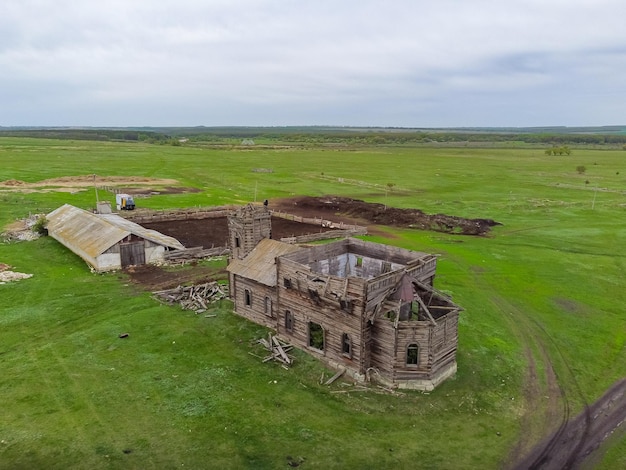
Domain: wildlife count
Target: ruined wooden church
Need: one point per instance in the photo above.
(365, 307)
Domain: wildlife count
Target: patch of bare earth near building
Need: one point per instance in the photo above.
(374, 214)
(152, 278)
(130, 184)
(214, 232)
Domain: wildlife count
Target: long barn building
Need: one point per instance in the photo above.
(108, 242)
(368, 308)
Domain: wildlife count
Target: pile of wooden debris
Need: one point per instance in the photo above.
(278, 350)
(196, 298)
(7, 276)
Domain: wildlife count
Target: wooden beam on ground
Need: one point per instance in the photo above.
(335, 377)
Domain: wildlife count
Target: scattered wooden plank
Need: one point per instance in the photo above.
(339, 373)
(278, 350)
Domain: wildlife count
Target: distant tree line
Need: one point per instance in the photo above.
(320, 136)
(405, 137)
(87, 134)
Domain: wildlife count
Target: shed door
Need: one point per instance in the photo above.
(132, 253)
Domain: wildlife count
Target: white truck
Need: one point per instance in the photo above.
(124, 202)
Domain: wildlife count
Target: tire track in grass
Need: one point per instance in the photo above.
(563, 448)
(61, 378)
(52, 390)
(105, 434)
(565, 443)
(68, 382)
(78, 392)
(541, 381)
(45, 373)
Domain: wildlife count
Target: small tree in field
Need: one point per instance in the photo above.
(563, 150)
(581, 169)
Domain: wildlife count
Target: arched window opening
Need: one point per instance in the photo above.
(316, 336)
(289, 321)
(248, 298)
(412, 354)
(346, 345)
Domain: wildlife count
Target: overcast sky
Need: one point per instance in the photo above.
(407, 63)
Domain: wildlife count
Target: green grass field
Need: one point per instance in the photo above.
(183, 391)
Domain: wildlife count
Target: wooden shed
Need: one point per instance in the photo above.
(368, 308)
(107, 241)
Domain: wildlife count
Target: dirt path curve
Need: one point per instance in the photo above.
(545, 405)
(550, 438)
(570, 446)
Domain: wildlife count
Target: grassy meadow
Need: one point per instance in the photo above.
(183, 391)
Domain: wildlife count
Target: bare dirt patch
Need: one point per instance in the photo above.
(152, 191)
(334, 207)
(81, 182)
(21, 230)
(152, 278)
(207, 233)
(568, 305)
(214, 232)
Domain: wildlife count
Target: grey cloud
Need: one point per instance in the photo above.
(270, 62)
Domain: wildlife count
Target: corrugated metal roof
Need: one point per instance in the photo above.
(84, 233)
(90, 235)
(260, 264)
(136, 229)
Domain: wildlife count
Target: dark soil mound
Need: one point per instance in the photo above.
(214, 232)
(380, 214)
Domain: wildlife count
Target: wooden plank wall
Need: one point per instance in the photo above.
(324, 311)
(256, 310)
(413, 332)
(424, 271)
(389, 253)
(383, 350)
(329, 235)
(141, 216)
(437, 346)
(446, 342)
(319, 222)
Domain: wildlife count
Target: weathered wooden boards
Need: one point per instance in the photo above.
(196, 298)
(195, 253)
(278, 350)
